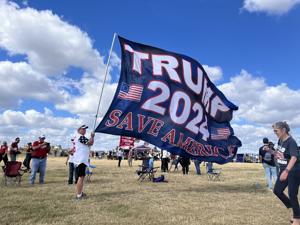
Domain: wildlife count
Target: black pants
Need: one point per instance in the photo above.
(185, 169)
(4, 158)
(27, 160)
(164, 165)
(120, 159)
(72, 173)
(292, 182)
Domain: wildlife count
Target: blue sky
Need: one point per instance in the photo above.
(251, 49)
(214, 32)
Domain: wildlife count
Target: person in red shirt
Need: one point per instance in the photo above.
(40, 150)
(14, 150)
(3, 152)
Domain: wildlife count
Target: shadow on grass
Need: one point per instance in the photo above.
(112, 195)
(100, 180)
(230, 188)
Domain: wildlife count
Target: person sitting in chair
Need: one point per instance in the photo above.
(209, 167)
(151, 161)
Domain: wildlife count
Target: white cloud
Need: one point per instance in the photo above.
(18, 81)
(260, 103)
(50, 44)
(34, 119)
(277, 7)
(252, 135)
(115, 61)
(214, 73)
(88, 100)
(29, 125)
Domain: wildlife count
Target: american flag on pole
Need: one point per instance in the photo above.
(219, 133)
(132, 92)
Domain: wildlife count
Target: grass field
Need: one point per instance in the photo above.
(116, 197)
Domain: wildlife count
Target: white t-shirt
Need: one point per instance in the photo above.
(82, 150)
(119, 153)
(70, 160)
(165, 154)
(71, 156)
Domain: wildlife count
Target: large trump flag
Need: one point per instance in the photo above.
(168, 100)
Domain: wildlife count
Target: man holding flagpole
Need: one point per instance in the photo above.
(81, 157)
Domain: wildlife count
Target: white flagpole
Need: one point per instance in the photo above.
(106, 71)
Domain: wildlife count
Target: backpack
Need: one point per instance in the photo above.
(268, 157)
(159, 179)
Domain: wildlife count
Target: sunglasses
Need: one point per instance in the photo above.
(276, 131)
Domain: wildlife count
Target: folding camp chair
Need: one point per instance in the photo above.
(146, 172)
(214, 174)
(12, 172)
(89, 172)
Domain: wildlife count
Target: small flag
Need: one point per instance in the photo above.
(219, 133)
(131, 92)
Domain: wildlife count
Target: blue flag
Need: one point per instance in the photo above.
(168, 100)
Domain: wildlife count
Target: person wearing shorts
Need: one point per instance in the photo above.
(81, 157)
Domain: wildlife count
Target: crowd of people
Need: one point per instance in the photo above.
(281, 162)
(168, 161)
(36, 156)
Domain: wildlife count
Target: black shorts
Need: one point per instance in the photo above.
(80, 169)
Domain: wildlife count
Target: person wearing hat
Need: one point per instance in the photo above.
(268, 161)
(81, 157)
(72, 169)
(40, 150)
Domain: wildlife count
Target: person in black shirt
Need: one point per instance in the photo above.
(185, 163)
(288, 157)
(27, 159)
(267, 159)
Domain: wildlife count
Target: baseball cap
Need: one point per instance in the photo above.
(42, 136)
(83, 127)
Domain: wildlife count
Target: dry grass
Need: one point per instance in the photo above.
(116, 197)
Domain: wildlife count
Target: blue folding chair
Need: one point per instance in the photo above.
(89, 172)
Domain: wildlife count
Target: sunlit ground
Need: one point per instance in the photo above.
(116, 197)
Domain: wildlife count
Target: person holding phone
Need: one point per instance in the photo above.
(26, 162)
(266, 157)
(40, 150)
(289, 176)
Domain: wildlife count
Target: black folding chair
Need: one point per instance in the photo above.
(214, 174)
(146, 172)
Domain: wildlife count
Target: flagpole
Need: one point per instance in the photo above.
(106, 71)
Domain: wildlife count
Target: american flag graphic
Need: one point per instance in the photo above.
(219, 133)
(131, 92)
